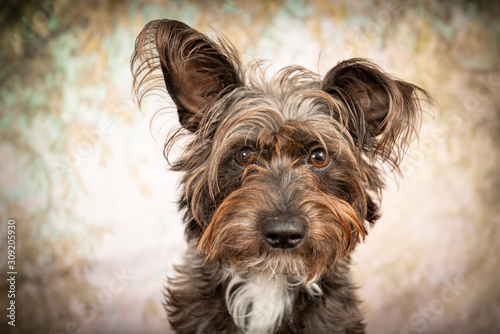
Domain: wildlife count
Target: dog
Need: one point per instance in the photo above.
(282, 178)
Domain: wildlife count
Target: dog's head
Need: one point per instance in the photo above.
(280, 174)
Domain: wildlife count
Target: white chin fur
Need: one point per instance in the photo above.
(258, 304)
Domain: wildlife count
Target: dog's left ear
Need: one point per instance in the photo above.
(381, 113)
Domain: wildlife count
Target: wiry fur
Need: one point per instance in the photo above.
(357, 116)
(259, 303)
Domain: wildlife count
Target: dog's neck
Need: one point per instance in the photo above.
(258, 304)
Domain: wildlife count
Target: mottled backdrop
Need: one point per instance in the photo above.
(82, 173)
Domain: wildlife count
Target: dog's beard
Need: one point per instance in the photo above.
(234, 236)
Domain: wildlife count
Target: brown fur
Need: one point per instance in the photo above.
(357, 116)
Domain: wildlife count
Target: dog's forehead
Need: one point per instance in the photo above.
(288, 126)
(277, 113)
(273, 107)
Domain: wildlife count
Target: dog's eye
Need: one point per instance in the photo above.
(319, 158)
(246, 156)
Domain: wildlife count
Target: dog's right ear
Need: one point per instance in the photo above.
(196, 70)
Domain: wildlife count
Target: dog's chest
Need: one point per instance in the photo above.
(258, 305)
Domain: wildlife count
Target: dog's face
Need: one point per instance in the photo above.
(284, 181)
(279, 174)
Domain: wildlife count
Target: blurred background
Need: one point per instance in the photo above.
(83, 177)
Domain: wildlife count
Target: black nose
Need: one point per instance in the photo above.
(284, 232)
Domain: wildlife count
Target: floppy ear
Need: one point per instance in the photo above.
(196, 70)
(381, 113)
